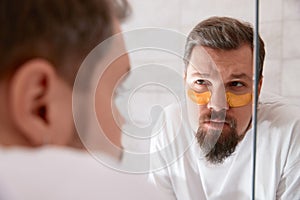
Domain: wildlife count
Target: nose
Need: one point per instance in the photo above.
(218, 100)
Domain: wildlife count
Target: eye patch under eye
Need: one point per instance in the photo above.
(199, 98)
(233, 100)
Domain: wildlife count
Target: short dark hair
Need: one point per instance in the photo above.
(60, 31)
(223, 33)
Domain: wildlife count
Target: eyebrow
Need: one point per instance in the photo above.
(204, 75)
(241, 76)
(232, 76)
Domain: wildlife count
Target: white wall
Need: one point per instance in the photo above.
(279, 26)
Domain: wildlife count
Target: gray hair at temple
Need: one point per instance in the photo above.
(223, 33)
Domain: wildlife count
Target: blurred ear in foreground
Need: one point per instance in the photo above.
(40, 104)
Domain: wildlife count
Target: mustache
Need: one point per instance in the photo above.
(217, 116)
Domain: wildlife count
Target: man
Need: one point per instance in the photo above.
(204, 147)
(42, 45)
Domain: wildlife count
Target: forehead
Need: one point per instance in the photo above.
(205, 60)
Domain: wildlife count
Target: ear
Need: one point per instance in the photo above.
(29, 98)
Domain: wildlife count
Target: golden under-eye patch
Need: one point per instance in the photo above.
(199, 98)
(233, 100)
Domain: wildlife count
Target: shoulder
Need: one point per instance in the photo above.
(171, 124)
(278, 110)
(279, 128)
(173, 112)
(172, 135)
(280, 119)
(62, 173)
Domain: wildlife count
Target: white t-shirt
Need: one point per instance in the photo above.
(53, 173)
(181, 171)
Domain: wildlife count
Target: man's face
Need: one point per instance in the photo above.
(216, 76)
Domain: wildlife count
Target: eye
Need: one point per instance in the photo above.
(237, 84)
(200, 85)
(201, 82)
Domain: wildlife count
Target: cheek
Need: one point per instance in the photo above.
(243, 116)
(202, 111)
(193, 114)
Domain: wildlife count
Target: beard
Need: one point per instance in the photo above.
(219, 140)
